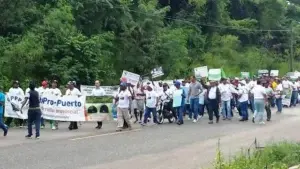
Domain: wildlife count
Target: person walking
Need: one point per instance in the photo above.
(2, 101)
(34, 111)
(98, 91)
(243, 100)
(259, 94)
(152, 99)
(123, 98)
(193, 96)
(269, 95)
(214, 100)
(72, 91)
(278, 96)
(178, 102)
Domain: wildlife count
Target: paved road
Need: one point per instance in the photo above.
(166, 146)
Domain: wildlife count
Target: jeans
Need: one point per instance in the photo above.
(244, 110)
(179, 113)
(2, 125)
(194, 102)
(226, 107)
(34, 116)
(201, 109)
(186, 109)
(213, 109)
(259, 108)
(294, 98)
(279, 104)
(252, 107)
(148, 112)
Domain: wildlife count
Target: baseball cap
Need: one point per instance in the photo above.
(177, 83)
(44, 83)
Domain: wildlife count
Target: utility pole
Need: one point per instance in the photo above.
(291, 49)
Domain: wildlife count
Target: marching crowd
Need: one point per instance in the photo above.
(189, 97)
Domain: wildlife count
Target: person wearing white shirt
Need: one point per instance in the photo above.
(15, 91)
(295, 86)
(73, 91)
(250, 86)
(278, 96)
(152, 99)
(54, 91)
(259, 94)
(270, 96)
(226, 91)
(98, 91)
(123, 98)
(42, 90)
(186, 88)
(214, 99)
(178, 102)
(243, 100)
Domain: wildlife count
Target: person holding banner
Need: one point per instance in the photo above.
(98, 91)
(54, 91)
(43, 90)
(72, 91)
(2, 100)
(34, 111)
(15, 91)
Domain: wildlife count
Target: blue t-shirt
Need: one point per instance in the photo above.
(2, 99)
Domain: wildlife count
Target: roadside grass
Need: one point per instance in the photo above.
(280, 155)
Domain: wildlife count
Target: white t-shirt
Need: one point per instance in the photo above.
(138, 91)
(98, 92)
(278, 90)
(166, 95)
(74, 92)
(212, 93)
(123, 99)
(243, 92)
(54, 92)
(295, 86)
(258, 92)
(286, 84)
(151, 99)
(16, 91)
(226, 91)
(42, 91)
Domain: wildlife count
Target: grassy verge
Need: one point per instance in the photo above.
(274, 156)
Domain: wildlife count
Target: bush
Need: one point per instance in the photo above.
(274, 156)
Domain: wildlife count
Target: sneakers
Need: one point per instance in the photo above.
(194, 121)
(28, 136)
(54, 128)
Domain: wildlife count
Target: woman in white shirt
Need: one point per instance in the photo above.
(72, 91)
(259, 94)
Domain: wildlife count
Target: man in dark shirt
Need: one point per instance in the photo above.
(34, 111)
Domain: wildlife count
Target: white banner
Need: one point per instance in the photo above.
(132, 78)
(157, 72)
(109, 90)
(201, 72)
(13, 105)
(274, 73)
(65, 108)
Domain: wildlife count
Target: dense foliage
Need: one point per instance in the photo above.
(97, 39)
(275, 156)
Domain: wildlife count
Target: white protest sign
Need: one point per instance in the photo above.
(13, 105)
(157, 72)
(214, 74)
(274, 73)
(132, 78)
(201, 72)
(87, 90)
(263, 72)
(64, 108)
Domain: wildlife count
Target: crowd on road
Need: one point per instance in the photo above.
(149, 101)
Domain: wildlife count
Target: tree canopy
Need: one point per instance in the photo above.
(86, 40)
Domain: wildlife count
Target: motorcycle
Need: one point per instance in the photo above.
(165, 111)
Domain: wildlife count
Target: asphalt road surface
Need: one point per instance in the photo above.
(166, 146)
